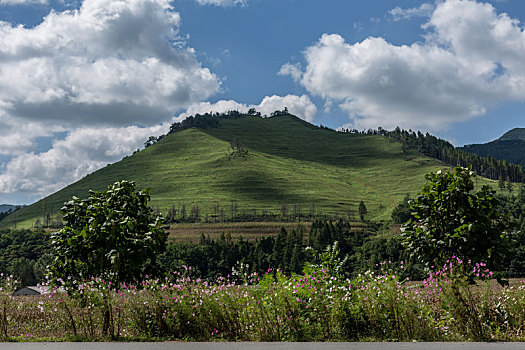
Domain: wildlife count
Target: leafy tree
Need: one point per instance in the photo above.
(112, 234)
(401, 213)
(448, 219)
(23, 270)
(362, 210)
(328, 260)
(151, 141)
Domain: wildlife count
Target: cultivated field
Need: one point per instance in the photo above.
(247, 230)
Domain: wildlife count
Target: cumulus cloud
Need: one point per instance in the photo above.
(301, 106)
(80, 153)
(109, 62)
(293, 70)
(222, 2)
(399, 14)
(16, 138)
(106, 74)
(471, 58)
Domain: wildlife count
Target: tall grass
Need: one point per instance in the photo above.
(316, 306)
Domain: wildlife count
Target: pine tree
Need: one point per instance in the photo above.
(501, 183)
(362, 210)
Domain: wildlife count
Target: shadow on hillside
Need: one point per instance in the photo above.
(258, 186)
(286, 137)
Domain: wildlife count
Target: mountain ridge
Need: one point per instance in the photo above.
(6, 207)
(513, 134)
(509, 147)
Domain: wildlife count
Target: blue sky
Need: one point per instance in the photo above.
(84, 83)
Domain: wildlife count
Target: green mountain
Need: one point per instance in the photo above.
(4, 208)
(509, 147)
(514, 134)
(276, 163)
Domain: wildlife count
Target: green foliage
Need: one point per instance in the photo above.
(328, 261)
(501, 184)
(401, 213)
(19, 252)
(482, 163)
(450, 220)
(315, 306)
(361, 247)
(10, 210)
(514, 134)
(112, 234)
(509, 150)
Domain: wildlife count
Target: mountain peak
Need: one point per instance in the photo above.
(514, 134)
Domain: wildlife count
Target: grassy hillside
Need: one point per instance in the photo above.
(289, 161)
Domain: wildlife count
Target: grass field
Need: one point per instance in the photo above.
(289, 163)
(247, 230)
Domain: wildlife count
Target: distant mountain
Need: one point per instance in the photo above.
(4, 208)
(514, 134)
(509, 147)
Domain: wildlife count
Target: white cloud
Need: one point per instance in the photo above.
(294, 70)
(222, 2)
(22, 2)
(112, 62)
(221, 106)
(91, 73)
(80, 153)
(471, 59)
(17, 138)
(399, 14)
(301, 106)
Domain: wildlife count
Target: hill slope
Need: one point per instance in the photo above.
(514, 134)
(288, 162)
(510, 147)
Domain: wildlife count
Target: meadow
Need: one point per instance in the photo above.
(318, 305)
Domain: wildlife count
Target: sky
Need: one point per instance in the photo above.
(84, 83)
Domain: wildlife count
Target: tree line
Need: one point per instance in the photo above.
(232, 213)
(440, 149)
(288, 251)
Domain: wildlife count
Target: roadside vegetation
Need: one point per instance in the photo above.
(319, 304)
(332, 281)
